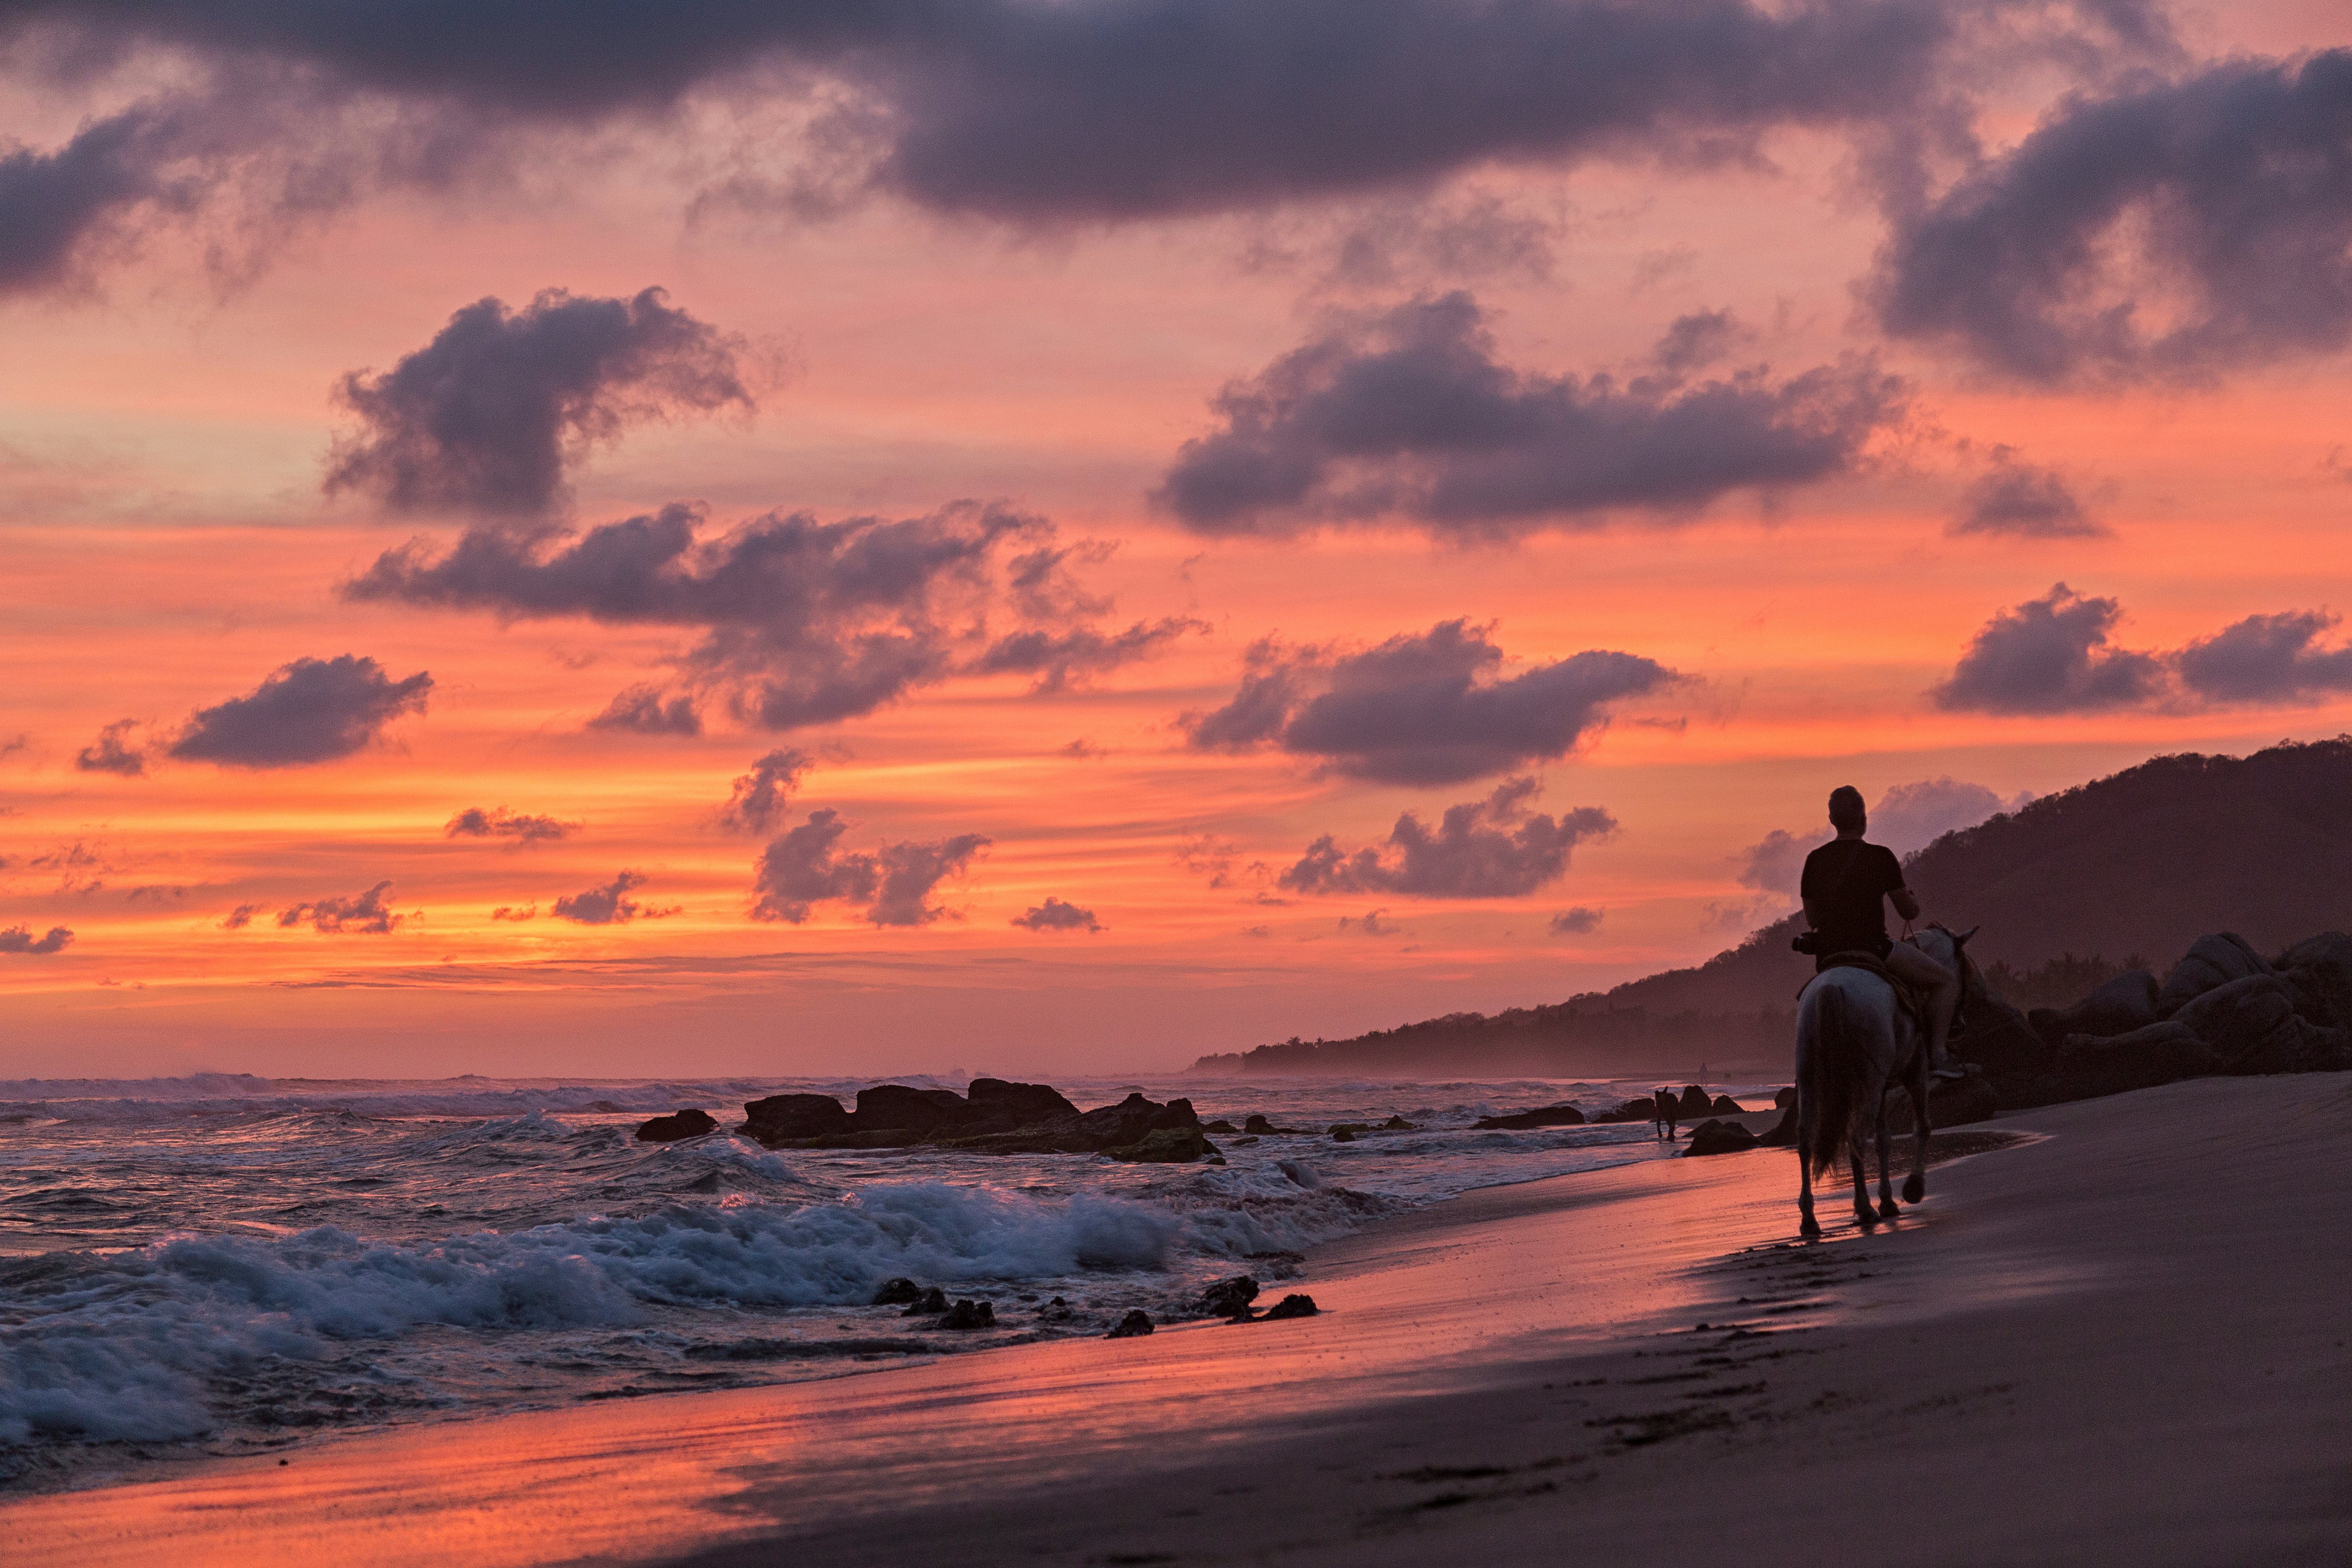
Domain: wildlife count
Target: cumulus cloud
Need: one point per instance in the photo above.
(240, 917)
(1408, 415)
(370, 912)
(311, 710)
(2023, 500)
(1491, 849)
(761, 794)
(2267, 658)
(521, 827)
(1056, 914)
(113, 752)
(2051, 654)
(609, 905)
(515, 912)
(2172, 230)
(802, 622)
(643, 710)
(807, 867)
(1373, 923)
(1578, 921)
(484, 418)
(20, 941)
(1431, 707)
(1904, 817)
(1026, 113)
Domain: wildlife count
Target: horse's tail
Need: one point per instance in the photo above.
(1833, 1071)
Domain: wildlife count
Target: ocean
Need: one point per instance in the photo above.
(225, 1263)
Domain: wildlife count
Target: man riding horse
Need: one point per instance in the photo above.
(1844, 883)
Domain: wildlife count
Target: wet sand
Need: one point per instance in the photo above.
(2123, 1339)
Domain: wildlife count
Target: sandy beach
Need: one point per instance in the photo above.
(2120, 1336)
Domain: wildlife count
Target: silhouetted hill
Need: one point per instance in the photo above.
(2138, 865)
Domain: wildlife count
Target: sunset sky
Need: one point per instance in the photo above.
(886, 537)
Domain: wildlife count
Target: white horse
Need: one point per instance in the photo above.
(1854, 1046)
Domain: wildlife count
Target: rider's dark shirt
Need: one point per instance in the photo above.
(1847, 880)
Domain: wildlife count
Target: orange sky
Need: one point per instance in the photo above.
(166, 545)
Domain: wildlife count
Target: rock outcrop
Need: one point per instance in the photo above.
(679, 1124)
(1695, 1101)
(2091, 1065)
(1725, 1106)
(1631, 1110)
(970, 1315)
(995, 1118)
(1227, 1297)
(1713, 1137)
(1521, 1120)
(1134, 1326)
(2210, 963)
(1290, 1307)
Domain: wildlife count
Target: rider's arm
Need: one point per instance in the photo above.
(1907, 903)
(1813, 913)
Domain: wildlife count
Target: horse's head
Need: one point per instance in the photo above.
(1950, 949)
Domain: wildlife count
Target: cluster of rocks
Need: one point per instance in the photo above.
(1231, 1300)
(1255, 1127)
(993, 1118)
(933, 1303)
(2223, 1008)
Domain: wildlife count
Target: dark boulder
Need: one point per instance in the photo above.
(1219, 1125)
(1694, 1100)
(1782, 1099)
(2091, 1065)
(995, 1105)
(1344, 1134)
(2254, 1024)
(2015, 1059)
(780, 1117)
(1265, 1129)
(898, 1292)
(1631, 1110)
(1134, 1326)
(2122, 1005)
(931, 1300)
(1398, 1124)
(1725, 1106)
(970, 1315)
(1719, 1138)
(1055, 1311)
(894, 1107)
(1290, 1307)
(1520, 1120)
(679, 1124)
(1227, 1297)
(2320, 968)
(1951, 1103)
(1783, 1134)
(2210, 963)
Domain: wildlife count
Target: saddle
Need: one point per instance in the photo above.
(1906, 998)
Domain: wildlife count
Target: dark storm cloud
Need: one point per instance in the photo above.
(20, 941)
(1577, 921)
(240, 917)
(2267, 658)
(112, 753)
(807, 867)
(311, 710)
(2173, 230)
(1491, 849)
(370, 912)
(761, 794)
(2024, 501)
(518, 827)
(1058, 914)
(2051, 654)
(1029, 113)
(804, 622)
(1409, 415)
(1423, 708)
(609, 905)
(484, 417)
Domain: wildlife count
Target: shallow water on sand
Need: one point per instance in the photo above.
(233, 1261)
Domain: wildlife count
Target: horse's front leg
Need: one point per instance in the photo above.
(1915, 1186)
(1857, 1143)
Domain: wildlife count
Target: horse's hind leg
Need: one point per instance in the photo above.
(1863, 1215)
(1808, 1227)
(1886, 1209)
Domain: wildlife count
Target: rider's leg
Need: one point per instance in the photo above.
(1939, 991)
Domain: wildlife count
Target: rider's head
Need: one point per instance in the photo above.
(1847, 814)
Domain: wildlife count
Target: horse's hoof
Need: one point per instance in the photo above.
(1866, 1219)
(1887, 1209)
(1913, 1190)
(1811, 1229)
